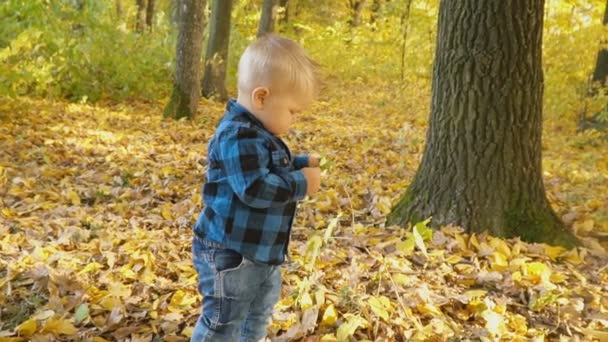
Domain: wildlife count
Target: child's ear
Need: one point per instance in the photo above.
(258, 97)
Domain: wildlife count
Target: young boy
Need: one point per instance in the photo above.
(250, 195)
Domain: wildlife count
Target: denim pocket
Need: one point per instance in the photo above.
(227, 259)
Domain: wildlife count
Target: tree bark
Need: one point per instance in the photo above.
(186, 88)
(268, 17)
(481, 167)
(601, 64)
(405, 24)
(356, 7)
(150, 14)
(120, 9)
(376, 7)
(284, 18)
(216, 57)
(140, 20)
(597, 86)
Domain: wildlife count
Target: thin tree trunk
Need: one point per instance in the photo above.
(268, 17)
(284, 18)
(150, 14)
(601, 65)
(186, 86)
(376, 7)
(405, 24)
(140, 20)
(356, 7)
(598, 84)
(217, 51)
(120, 9)
(481, 167)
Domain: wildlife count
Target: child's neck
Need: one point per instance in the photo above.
(245, 102)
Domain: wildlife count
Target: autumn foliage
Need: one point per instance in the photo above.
(97, 201)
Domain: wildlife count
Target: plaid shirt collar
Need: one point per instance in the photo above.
(236, 112)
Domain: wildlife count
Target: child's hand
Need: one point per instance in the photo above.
(313, 179)
(314, 160)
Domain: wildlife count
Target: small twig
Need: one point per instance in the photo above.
(415, 319)
(350, 202)
(601, 269)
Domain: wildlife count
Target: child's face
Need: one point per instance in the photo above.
(278, 111)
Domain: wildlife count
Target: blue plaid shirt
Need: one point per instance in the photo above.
(251, 188)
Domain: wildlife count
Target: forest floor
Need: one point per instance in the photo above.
(97, 204)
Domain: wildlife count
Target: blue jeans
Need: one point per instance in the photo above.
(238, 294)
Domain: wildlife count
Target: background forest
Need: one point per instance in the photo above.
(99, 190)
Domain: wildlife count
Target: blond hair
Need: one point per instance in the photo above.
(278, 63)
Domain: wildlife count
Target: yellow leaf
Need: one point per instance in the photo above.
(406, 247)
(473, 241)
(306, 301)
(99, 339)
(602, 336)
(453, 259)
(181, 301)
(573, 257)
(320, 297)
(475, 293)
(8, 213)
(537, 272)
(330, 316)
(92, 267)
(519, 324)
(188, 331)
(587, 226)
(400, 279)
(558, 277)
(516, 276)
(429, 309)
(501, 246)
(166, 213)
(313, 248)
(27, 328)
(346, 330)
(74, 198)
(59, 327)
(329, 338)
(553, 251)
(499, 262)
(378, 308)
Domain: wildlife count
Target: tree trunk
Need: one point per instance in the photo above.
(356, 7)
(150, 14)
(601, 65)
(376, 7)
(217, 51)
(140, 20)
(186, 89)
(598, 84)
(481, 167)
(405, 24)
(284, 18)
(120, 9)
(268, 17)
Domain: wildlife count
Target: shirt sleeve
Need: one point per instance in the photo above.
(301, 161)
(245, 159)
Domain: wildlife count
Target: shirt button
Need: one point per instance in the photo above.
(284, 161)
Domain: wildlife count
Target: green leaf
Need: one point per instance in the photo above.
(82, 312)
